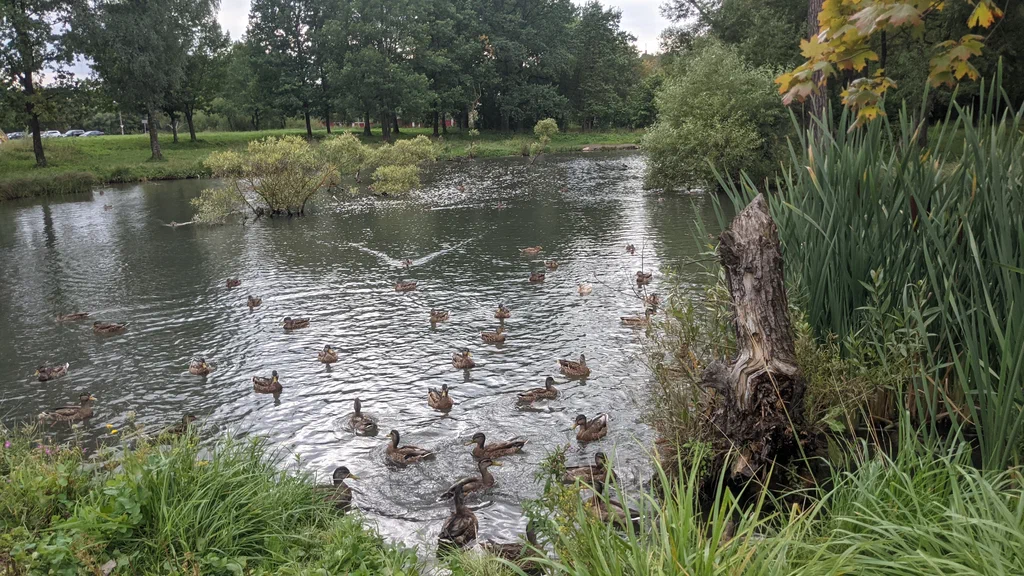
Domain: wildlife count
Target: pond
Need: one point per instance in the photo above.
(111, 255)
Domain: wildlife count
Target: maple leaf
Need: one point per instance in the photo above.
(903, 13)
(814, 48)
(984, 14)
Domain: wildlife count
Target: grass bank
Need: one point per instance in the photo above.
(75, 164)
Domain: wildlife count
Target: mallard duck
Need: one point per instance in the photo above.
(495, 449)
(638, 321)
(548, 392)
(72, 317)
(254, 302)
(610, 510)
(71, 413)
(585, 289)
(234, 282)
(362, 424)
(460, 528)
(494, 337)
(405, 454)
(474, 483)
(653, 301)
(294, 323)
(643, 278)
(404, 286)
(595, 429)
(503, 312)
(519, 553)
(108, 328)
(630, 249)
(180, 429)
(406, 263)
(271, 385)
(551, 264)
(536, 277)
(199, 367)
(532, 250)
(438, 316)
(45, 373)
(439, 399)
(590, 473)
(108, 207)
(575, 369)
(463, 360)
(338, 493)
(328, 355)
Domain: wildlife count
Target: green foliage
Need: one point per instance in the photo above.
(716, 114)
(226, 509)
(346, 153)
(546, 129)
(57, 185)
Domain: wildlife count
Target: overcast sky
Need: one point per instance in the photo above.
(641, 18)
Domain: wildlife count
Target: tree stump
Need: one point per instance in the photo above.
(760, 401)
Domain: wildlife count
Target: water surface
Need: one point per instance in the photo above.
(338, 267)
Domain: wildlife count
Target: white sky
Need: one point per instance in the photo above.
(641, 18)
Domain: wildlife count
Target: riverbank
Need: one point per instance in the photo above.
(77, 164)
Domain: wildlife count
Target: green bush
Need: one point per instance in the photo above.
(57, 185)
(715, 113)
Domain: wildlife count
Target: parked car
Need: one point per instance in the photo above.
(92, 133)
(15, 135)
(51, 134)
(73, 133)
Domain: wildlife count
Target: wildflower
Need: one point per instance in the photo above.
(109, 426)
(47, 451)
(113, 431)
(7, 444)
(202, 463)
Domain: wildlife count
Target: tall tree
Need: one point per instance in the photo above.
(32, 39)
(205, 62)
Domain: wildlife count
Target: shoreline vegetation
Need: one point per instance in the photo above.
(78, 164)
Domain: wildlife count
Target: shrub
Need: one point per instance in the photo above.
(715, 113)
(56, 185)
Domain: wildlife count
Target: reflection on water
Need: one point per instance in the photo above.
(338, 267)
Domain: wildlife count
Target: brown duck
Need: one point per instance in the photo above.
(46, 373)
(362, 424)
(470, 484)
(71, 413)
(180, 429)
(439, 399)
(403, 455)
(337, 493)
(404, 286)
(438, 316)
(262, 385)
(108, 328)
(234, 282)
(551, 264)
(494, 449)
(254, 302)
(532, 250)
(328, 355)
(463, 360)
(608, 509)
(630, 249)
(519, 553)
(199, 367)
(574, 369)
(295, 323)
(494, 337)
(503, 312)
(459, 530)
(593, 430)
(643, 278)
(536, 277)
(638, 321)
(548, 392)
(590, 473)
(72, 317)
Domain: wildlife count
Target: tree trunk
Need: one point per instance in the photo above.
(327, 118)
(394, 120)
(761, 392)
(504, 122)
(154, 139)
(436, 117)
(444, 123)
(174, 127)
(385, 126)
(883, 57)
(309, 127)
(819, 98)
(189, 114)
(366, 124)
(28, 86)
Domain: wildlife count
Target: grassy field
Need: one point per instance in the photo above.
(75, 164)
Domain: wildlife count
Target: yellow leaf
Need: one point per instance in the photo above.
(813, 48)
(984, 14)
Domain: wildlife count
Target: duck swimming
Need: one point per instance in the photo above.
(199, 367)
(47, 373)
(108, 328)
(494, 337)
(463, 360)
(272, 385)
(503, 312)
(71, 413)
(590, 473)
(338, 493)
(471, 484)
(404, 455)
(574, 369)
(548, 392)
(438, 316)
(593, 430)
(362, 424)
(404, 286)
(439, 399)
(495, 449)
(234, 282)
(253, 302)
(328, 355)
(532, 250)
(72, 317)
(460, 528)
(295, 323)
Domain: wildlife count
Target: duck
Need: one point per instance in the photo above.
(652, 301)
(74, 316)
(295, 323)
(595, 429)
(494, 337)
(328, 355)
(406, 263)
(536, 277)
(503, 312)
(495, 449)
(45, 373)
(519, 553)
(180, 429)
(459, 530)
(271, 385)
(463, 360)
(108, 207)
(404, 455)
(484, 481)
(199, 367)
(338, 493)
(71, 413)
(574, 369)
(532, 250)
(548, 392)
(585, 289)
(362, 424)
(234, 282)
(590, 473)
(438, 316)
(551, 264)
(404, 286)
(638, 321)
(630, 249)
(108, 328)
(439, 399)
(253, 302)
(611, 510)
(643, 278)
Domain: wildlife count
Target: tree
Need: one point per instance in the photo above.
(31, 40)
(140, 49)
(204, 70)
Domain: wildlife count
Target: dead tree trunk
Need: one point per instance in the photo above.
(761, 392)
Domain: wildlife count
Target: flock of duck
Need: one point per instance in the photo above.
(460, 528)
